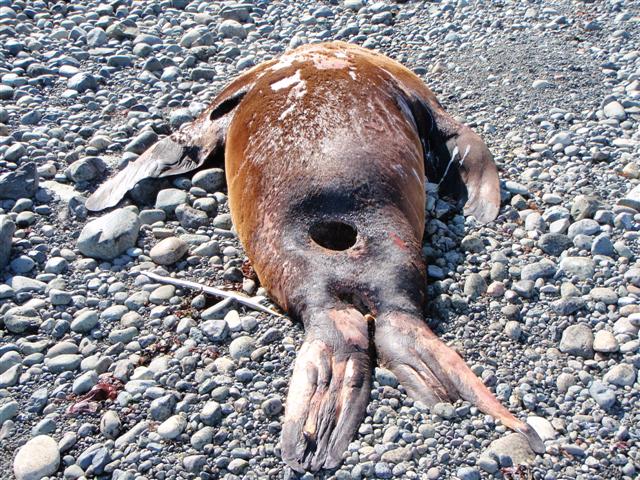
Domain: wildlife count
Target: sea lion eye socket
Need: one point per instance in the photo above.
(333, 235)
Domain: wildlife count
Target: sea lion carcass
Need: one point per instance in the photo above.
(326, 152)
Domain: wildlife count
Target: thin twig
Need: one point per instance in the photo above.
(216, 292)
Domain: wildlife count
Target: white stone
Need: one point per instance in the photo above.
(37, 458)
(172, 427)
(614, 110)
(543, 428)
(169, 251)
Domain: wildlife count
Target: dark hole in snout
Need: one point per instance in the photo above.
(333, 235)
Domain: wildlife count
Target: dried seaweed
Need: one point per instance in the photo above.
(106, 389)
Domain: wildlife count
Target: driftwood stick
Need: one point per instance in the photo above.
(250, 302)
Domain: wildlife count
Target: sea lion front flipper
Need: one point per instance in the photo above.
(478, 172)
(456, 158)
(432, 372)
(329, 390)
(185, 150)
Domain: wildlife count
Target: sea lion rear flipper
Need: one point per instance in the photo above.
(183, 151)
(329, 390)
(432, 372)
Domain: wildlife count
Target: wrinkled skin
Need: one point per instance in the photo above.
(327, 151)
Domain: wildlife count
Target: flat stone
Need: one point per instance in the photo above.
(398, 455)
(110, 424)
(25, 284)
(211, 180)
(474, 286)
(131, 436)
(162, 294)
(9, 359)
(63, 363)
(85, 169)
(543, 428)
(8, 409)
(585, 206)
(513, 446)
(581, 267)
(37, 458)
(110, 235)
(172, 427)
(85, 321)
(190, 217)
(153, 215)
(237, 466)
(586, 226)
(632, 199)
(577, 340)
(614, 110)
(622, 375)
(10, 377)
(468, 473)
(85, 382)
(386, 377)
(162, 408)
(542, 269)
(169, 198)
(605, 295)
(211, 413)
(554, 243)
(602, 245)
(605, 342)
(202, 437)
(18, 320)
(568, 305)
(7, 229)
(604, 396)
(241, 347)
(231, 28)
(15, 152)
(194, 463)
(215, 330)
(169, 251)
(19, 183)
(82, 82)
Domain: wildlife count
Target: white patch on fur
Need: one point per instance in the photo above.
(417, 175)
(284, 62)
(287, 111)
(299, 89)
(286, 82)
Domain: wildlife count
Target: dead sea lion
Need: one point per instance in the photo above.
(327, 150)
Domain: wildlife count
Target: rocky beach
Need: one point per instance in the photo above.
(108, 373)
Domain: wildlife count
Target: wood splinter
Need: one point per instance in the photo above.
(251, 302)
